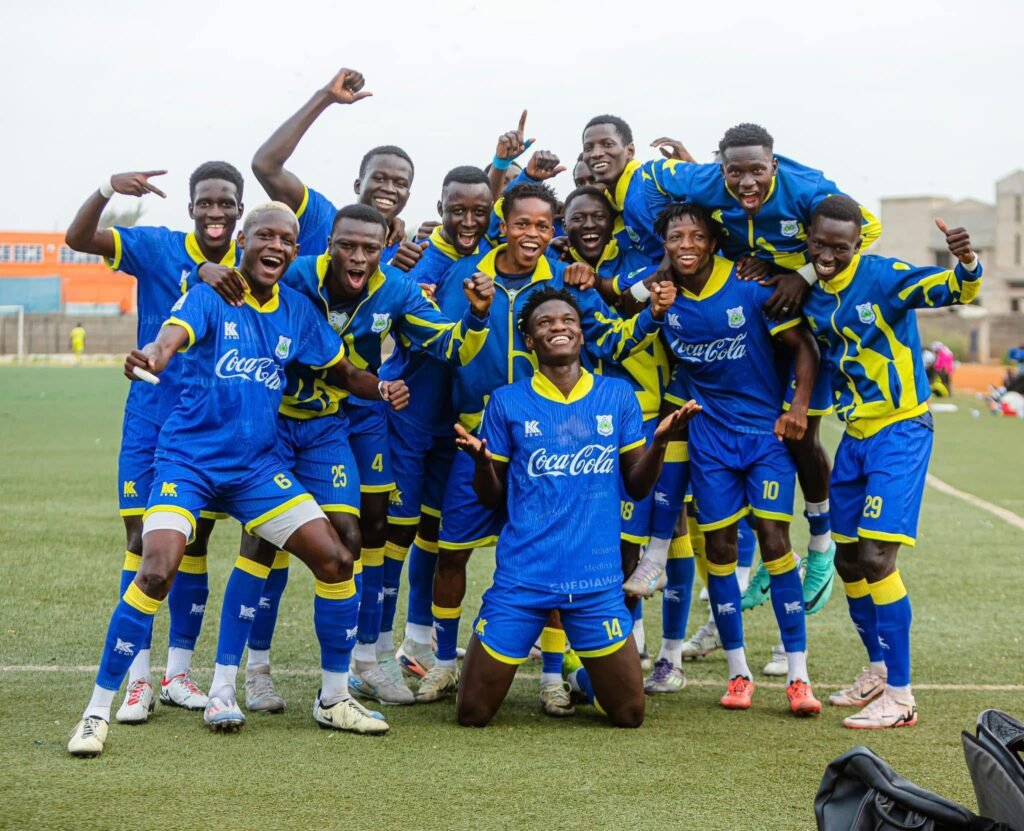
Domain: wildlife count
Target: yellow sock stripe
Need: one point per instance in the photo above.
(192, 565)
(394, 551)
(281, 559)
(787, 562)
(252, 567)
(372, 557)
(677, 451)
(426, 545)
(138, 599)
(131, 561)
(888, 590)
(857, 589)
(357, 567)
(445, 614)
(680, 548)
(721, 569)
(335, 591)
(552, 640)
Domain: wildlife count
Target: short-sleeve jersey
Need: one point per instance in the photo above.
(233, 373)
(316, 220)
(723, 344)
(563, 480)
(160, 260)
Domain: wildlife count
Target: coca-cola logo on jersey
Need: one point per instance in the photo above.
(261, 370)
(593, 458)
(722, 349)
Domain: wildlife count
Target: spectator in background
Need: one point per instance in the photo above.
(78, 342)
(942, 380)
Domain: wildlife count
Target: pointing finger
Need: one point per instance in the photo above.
(522, 123)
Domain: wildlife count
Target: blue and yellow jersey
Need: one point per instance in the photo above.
(161, 261)
(723, 345)
(866, 328)
(504, 357)
(563, 472)
(316, 221)
(429, 380)
(233, 376)
(647, 369)
(777, 232)
(391, 302)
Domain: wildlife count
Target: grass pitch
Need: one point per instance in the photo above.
(692, 764)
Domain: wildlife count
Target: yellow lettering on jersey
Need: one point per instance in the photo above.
(627, 510)
(168, 489)
(396, 497)
(612, 628)
(480, 626)
(129, 489)
(769, 489)
(282, 481)
(378, 462)
(340, 479)
(872, 507)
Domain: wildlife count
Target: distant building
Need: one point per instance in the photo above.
(909, 233)
(40, 272)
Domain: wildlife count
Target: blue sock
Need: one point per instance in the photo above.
(788, 601)
(394, 559)
(675, 601)
(187, 602)
(819, 523)
(422, 560)
(747, 541)
(371, 596)
(724, 593)
(862, 613)
(241, 598)
(893, 615)
(128, 572)
(131, 625)
(670, 492)
(335, 619)
(446, 627)
(552, 650)
(262, 632)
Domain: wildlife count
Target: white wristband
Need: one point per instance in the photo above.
(640, 292)
(973, 265)
(381, 390)
(106, 189)
(808, 273)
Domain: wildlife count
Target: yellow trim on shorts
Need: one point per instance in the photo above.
(132, 511)
(376, 488)
(132, 561)
(632, 446)
(842, 538)
(281, 560)
(502, 658)
(428, 511)
(884, 536)
(138, 599)
(252, 567)
(214, 515)
(335, 591)
(483, 542)
(284, 507)
(445, 612)
(635, 538)
(190, 564)
(721, 569)
(430, 546)
(781, 517)
(173, 509)
(372, 557)
(723, 523)
(677, 451)
(340, 509)
(404, 521)
(605, 650)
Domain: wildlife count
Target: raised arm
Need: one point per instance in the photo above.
(269, 162)
(154, 356)
(84, 233)
(425, 326)
(640, 466)
(921, 288)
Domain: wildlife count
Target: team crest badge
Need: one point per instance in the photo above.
(736, 318)
(865, 313)
(604, 425)
(283, 345)
(381, 321)
(338, 320)
(633, 235)
(789, 227)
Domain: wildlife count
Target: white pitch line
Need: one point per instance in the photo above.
(533, 676)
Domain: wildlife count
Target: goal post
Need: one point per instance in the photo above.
(20, 312)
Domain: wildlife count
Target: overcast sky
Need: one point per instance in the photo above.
(888, 98)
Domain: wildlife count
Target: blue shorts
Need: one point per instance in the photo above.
(734, 473)
(821, 394)
(368, 435)
(878, 482)
(636, 516)
(421, 463)
(262, 494)
(511, 620)
(135, 463)
(318, 453)
(465, 523)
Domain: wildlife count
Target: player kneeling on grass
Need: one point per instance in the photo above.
(218, 447)
(551, 452)
(862, 313)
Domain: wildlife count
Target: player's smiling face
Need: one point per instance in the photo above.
(215, 209)
(555, 333)
(268, 249)
(688, 245)
(465, 213)
(385, 184)
(605, 153)
(748, 172)
(831, 245)
(588, 223)
(528, 227)
(355, 253)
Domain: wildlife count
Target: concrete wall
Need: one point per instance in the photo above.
(966, 337)
(48, 334)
